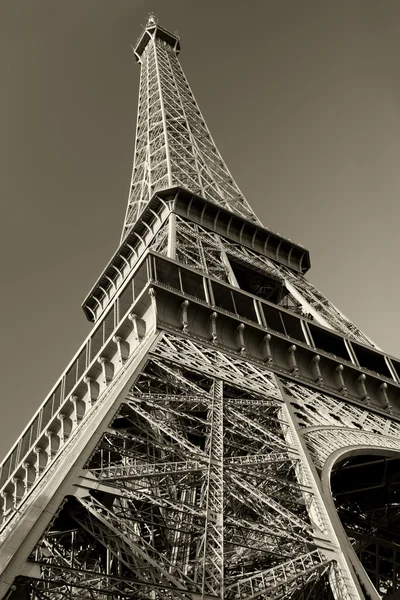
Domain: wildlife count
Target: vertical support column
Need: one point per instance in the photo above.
(78, 410)
(327, 537)
(171, 236)
(135, 334)
(385, 399)
(52, 445)
(152, 294)
(30, 475)
(91, 397)
(363, 388)
(317, 369)
(64, 430)
(41, 460)
(225, 261)
(123, 348)
(241, 347)
(213, 556)
(267, 349)
(7, 501)
(184, 316)
(213, 328)
(19, 491)
(340, 376)
(107, 370)
(292, 360)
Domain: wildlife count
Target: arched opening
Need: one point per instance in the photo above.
(366, 493)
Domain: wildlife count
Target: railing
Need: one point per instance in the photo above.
(76, 391)
(126, 258)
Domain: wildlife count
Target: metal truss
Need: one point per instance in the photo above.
(202, 250)
(364, 486)
(160, 242)
(331, 424)
(317, 305)
(173, 144)
(181, 456)
(196, 490)
(210, 253)
(190, 236)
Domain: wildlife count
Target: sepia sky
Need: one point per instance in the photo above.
(302, 99)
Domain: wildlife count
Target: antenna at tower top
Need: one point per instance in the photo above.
(151, 20)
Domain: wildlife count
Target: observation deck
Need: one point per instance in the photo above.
(217, 219)
(160, 33)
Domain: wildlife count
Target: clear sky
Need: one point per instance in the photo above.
(302, 99)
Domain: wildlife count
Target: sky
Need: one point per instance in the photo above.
(302, 100)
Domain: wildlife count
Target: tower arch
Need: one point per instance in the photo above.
(361, 487)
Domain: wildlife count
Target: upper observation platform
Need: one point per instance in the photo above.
(153, 30)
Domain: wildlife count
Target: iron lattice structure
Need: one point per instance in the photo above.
(173, 144)
(224, 431)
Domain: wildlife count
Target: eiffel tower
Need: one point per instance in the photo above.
(224, 431)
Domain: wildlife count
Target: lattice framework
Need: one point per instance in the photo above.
(173, 144)
(169, 464)
(231, 461)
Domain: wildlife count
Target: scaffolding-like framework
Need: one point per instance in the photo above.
(224, 431)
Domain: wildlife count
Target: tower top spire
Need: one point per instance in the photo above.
(151, 20)
(153, 31)
(174, 147)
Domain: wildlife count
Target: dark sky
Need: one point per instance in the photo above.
(302, 99)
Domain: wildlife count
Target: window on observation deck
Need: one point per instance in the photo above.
(292, 327)
(283, 322)
(193, 284)
(371, 360)
(228, 299)
(223, 297)
(168, 274)
(258, 283)
(329, 342)
(183, 280)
